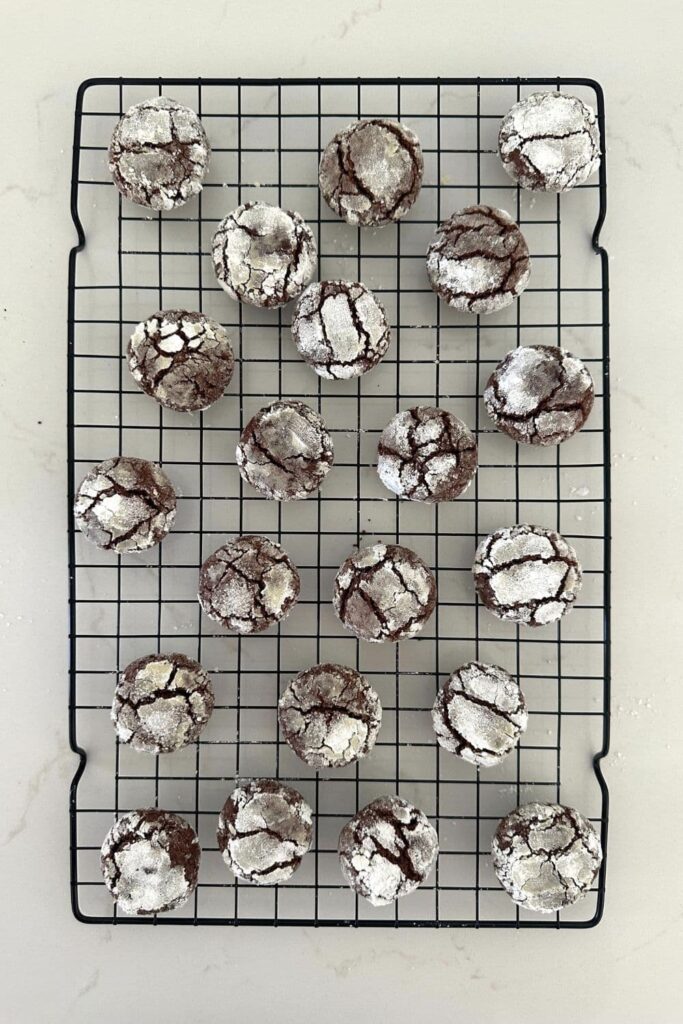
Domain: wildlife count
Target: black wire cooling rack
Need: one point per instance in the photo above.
(266, 137)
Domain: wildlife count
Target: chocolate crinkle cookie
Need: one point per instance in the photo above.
(384, 592)
(387, 850)
(340, 329)
(161, 703)
(264, 831)
(549, 142)
(479, 713)
(371, 171)
(527, 574)
(150, 861)
(478, 261)
(183, 360)
(248, 585)
(539, 394)
(285, 451)
(125, 504)
(546, 856)
(427, 454)
(159, 154)
(330, 716)
(263, 255)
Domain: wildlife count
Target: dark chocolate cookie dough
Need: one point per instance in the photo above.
(330, 716)
(184, 360)
(426, 454)
(527, 574)
(162, 702)
(478, 261)
(546, 856)
(549, 142)
(387, 850)
(539, 394)
(479, 713)
(125, 504)
(340, 329)
(159, 154)
(248, 585)
(371, 171)
(384, 592)
(150, 861)
(264, 831)
(264, 255)
(285, 451)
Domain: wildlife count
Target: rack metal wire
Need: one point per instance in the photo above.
(266, 136)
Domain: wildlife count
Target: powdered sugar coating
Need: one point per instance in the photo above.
(387, 850)
(479, 713)
(549, 142)
(340, 329)
(263, 255)
(150, 861)
(546, 856)
(264, 831)
(527, 574)
(539, 394)
(427, 454)
(159, 154)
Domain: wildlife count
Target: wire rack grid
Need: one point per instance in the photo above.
(267, 136)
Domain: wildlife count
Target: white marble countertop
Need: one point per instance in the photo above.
(626, 969)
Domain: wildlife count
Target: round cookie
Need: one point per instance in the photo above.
(478, 261)
(527, 574)
(264, 831)
(183, 360)
(263, 255)
(248, 585)
(285, 451)
(340, 329)
(426, 454)
(539, 394)
(371, 171)
(387, 850)
(546, 856)
(479, 713)
(384, 592)
(330, 716)
(549, 142)
(150, 861)
(159, 154)
(125, 504)
(161, 703)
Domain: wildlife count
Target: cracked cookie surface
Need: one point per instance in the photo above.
(539, 394)
(546, 856)
(478, 260)
(371, 171)
(384, 592)
(263, 255)
(340, 329)
(427, 454)
(264, 831)
(527, 574)
(549, 142)
(479, 713)
(161, 703)
(150, 861)
(285, 451)
(330, 716)
(387, 850)
(125, 504)
(182, 359)
(249, 584)
(159, 154)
